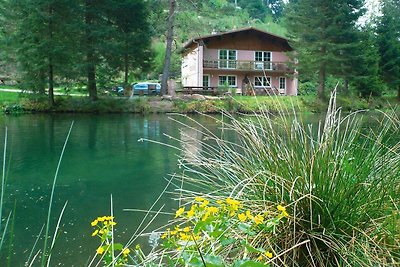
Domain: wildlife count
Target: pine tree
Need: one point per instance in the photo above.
(320, 33)
(388, 31)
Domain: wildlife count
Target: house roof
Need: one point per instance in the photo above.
(222, 34)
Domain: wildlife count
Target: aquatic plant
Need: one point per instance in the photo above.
(339, 182)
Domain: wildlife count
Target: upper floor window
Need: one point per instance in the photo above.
(262, 60)
(227, 59)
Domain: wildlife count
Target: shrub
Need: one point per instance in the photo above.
(339, 182)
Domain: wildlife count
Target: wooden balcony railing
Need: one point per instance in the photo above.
(247, 65)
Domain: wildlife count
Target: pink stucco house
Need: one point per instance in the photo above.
(241, 59)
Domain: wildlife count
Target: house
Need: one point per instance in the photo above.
(244, 59)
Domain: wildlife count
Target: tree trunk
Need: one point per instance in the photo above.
(346, 86)
(90, 54)
(398, 92)
(321, 79)
(168, 51)
(51, 67)
(126, 68)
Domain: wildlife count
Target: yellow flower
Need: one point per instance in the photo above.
(95, 233)
(94, 223)
(232, 202)
(219, 202)
(285, 214)
(179, 212)
(113, 223)
(212, 210)
(281, 208)
(259, 219)
(242, 217)
(100, 250)
(137, 247)
(101, 231)
(186, 229)
(269, 255)
(190, 213)
(260, 258)
(100, 219)
(126, 251)
(184, 236)
(248, 214)
(205, 203)
(199, 199)
(105, 222)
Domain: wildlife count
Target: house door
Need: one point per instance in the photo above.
(206, 81)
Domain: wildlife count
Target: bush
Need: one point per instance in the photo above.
(339, 184)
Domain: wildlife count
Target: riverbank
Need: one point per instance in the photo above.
(14, 102)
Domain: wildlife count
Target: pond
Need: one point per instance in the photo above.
(103, 158)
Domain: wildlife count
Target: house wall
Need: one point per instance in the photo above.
(245, 55)
(192, 67)
(291, 83)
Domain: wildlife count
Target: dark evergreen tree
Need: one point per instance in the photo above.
(320, 34)
(365, 67)
(388, 36)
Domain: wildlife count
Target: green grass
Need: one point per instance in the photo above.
(339, 181)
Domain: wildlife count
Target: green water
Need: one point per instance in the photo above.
(103, 157)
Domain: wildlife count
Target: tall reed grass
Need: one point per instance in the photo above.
(339, 181)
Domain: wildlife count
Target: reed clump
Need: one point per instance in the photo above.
(338, 182)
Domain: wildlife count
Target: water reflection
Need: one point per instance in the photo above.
(191, 144)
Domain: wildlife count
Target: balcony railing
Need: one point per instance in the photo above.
(247, 65)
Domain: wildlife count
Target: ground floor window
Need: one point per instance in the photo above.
(206, 80)
(229, 80)
(262, 81)
(282, 82)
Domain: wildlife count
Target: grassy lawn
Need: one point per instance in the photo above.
(9, 97)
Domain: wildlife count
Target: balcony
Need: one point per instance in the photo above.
(247, 65)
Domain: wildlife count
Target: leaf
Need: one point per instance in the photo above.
(118, 246)
(227, 241)
(249, 263)
(213, 261)
(252, 249)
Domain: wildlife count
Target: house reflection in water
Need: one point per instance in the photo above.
(191, 144)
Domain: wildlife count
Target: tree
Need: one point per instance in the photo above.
(132, 48)
(320, 32)
(388, 31)
(168, 50)
(276, 7)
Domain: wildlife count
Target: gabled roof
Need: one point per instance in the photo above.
(219, 35)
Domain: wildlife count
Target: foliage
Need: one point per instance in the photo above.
(339, 183)
(322, 34)
(389, 43)
(111, 253)
(223, 232)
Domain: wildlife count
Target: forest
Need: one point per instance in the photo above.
(97, 44)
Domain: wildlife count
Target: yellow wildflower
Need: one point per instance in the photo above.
(242, 217)
(94, 223)
(179, 212)
(259, 219)
(260, 258)
(285, 214)
(105, 222)
(113, 223)
(281, 208)
(126, 251)
(184, 236)
(164, 235)
(137, 247)
(212, 210)
(248, 214)
(190, 213)
(199, 199)
(95, 233)
(219, 202)
(205, 203)
(100, 250)
(100, 219)
(186, 229)
(101, 231)
(268, 254)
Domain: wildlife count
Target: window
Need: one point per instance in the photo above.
(282, 83)
(262, 60)
(206, 80)
(227, 59)
(262, 81)
(227, 80)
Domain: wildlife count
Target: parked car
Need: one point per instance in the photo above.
(119, 90)
(146, 88)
